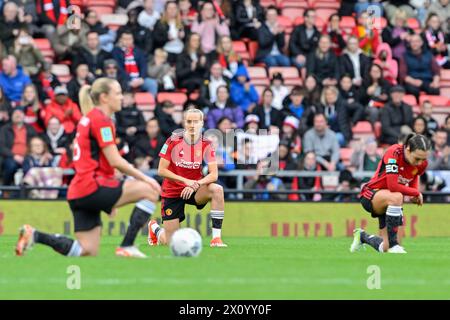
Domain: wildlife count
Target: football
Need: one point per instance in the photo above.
(186, 242)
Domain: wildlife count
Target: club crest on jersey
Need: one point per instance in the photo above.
(168, 212)
(181, 153)
(106, 134)
(198, 153)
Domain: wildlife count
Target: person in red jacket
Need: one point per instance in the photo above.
(63, 108)
(367, 33)
(397, 176)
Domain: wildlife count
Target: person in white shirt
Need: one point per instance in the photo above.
(148, 17)
(280, 91)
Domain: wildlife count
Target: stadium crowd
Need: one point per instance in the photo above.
(334, 82)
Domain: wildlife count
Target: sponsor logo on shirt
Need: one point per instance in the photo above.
(403, 180)
(391, 168)
(164, 149)
(188, 164)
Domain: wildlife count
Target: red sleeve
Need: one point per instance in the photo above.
(390, 161)
(210, 154)
(103, 132)
(76, 113)
(166, 150)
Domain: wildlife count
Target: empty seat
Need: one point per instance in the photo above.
(292, 12)
(324, 13)
(177, 98)
(410, 99)
(286, 23)
(113, 21)
(346, 155)
(241, 49)
(102, 10)
(257, 73)
(327, 4)
(144, 100)
(347, 23)
(438, 101)
(294, 4)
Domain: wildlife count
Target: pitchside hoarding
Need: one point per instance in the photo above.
(244, 219)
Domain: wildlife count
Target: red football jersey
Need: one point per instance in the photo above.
(396, 174)
(185, 160)
(94, 132)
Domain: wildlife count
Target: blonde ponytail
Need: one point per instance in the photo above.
(86, 103)
(90, 95)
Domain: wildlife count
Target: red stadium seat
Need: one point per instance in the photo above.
(324, 13)
(241, 49)
(446, 93)
(144, 100)
(299, 20)
(103, 3)
(62, 71)
(410, 99)
(286, 23)
(177, 98)
(267, 3)
(257, 72)
(290, 75)
(102, 10)
(347, 23)
(327, 5)
(346, 155)
(445, 78)
(253, 49)
(438, 101)
(363, 129)
(292, 13)
(114, 21)
(294, 4)
(413, 23)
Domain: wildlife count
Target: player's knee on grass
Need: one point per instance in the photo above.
(395, 199)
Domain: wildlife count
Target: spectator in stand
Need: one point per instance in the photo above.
(37, 155)
(290, 132)
(68, 39)
(446, 127)
(354, 62)
(374, 5)
(169, 31)
(396, 117)
(365, 157)
(280, 91)
(323, 63)
(392, 6)
(435, 40)
(347, 183)
(191, 66)
(55, 137)
(419, 126)
(384, 59)
(81, 78)
(188, 13)
(335, 110)
(350, 95)
(419, 69)
(26, 53)
(333, 29)
(142, 36)
(210, 27)
(224, 107)
(286, 162)
(5, 108)
(367, 35)
(243, 93)
(111, 70)
(313, 90)
(92, 54)
(439, 159)
(228, 59)
(271, 41)
(304, 39)
(160, 69)
(442, 9)
(309, 164)
(13, 144)
(268, 115)
(397, 35)
(426, 111)
(323, 142)
(33, 109)
(27, 13)
(149, 16)
(149, 145)
(130, 121)
(106, 37)
(164, 113)
(10, 24)
(374, 92)
(133, 63)
(208, 91)
(13, 79)
(248, 14)
(63, 108)
(46, 83)
(52, 14)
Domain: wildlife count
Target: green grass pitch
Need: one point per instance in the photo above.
(250, 268)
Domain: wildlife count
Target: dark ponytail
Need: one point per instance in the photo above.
(417, 142)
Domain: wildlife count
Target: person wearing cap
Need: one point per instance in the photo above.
(252, 123)
(13, 144)
(111, 70)
(395, 116)
(63, 108)
(290, 132)
(419, 69)
(268, 115)
(280, 91)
